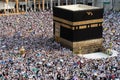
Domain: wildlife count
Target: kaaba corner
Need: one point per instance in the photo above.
(78, 27)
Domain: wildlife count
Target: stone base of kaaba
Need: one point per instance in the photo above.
(84, 47)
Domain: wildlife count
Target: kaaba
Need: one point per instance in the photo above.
(78, 27)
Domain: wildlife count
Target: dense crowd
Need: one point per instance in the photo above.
(111, 32)
(45, 59)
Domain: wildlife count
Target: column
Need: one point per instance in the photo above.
(47, 4)
(43, 4)
(51, 6)
(39, 4)
(113, 4)
(26, 5)
(66, 2)
(34, 5)
(6, 2)
(17, 6)
(7, 5)
(58, 2)
(75, 2)
(93, 2)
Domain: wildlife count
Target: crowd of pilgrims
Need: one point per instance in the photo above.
(45, 59)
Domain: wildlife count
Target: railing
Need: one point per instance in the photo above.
(17, 7)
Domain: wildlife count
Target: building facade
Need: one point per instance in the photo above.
(107, 4)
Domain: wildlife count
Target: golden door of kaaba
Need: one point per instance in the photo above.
(79, 27)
